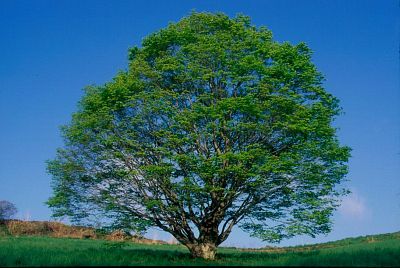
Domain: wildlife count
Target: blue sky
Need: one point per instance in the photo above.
(50, 50)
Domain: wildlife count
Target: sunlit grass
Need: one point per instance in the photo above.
(46, 251)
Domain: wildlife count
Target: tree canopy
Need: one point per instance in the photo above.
(7, 210)
(214, 124)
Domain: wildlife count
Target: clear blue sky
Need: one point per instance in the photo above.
(50, 50)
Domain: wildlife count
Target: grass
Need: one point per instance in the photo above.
(380, 250)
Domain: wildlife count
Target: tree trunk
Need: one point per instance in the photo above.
(203, 250)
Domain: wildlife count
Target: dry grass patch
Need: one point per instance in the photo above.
(46, 228)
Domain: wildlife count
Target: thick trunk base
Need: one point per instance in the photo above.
(205, 251)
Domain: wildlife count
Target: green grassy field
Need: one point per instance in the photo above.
(380, 250)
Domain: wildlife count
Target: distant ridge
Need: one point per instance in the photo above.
(58, 229)
(333, 244)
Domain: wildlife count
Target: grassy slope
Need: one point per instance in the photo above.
(381, 250)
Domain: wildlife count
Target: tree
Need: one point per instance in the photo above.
(213, 125)
(7, 210)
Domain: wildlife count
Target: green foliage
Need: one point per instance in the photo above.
(213, 124)
(7, 210)
(42, 251)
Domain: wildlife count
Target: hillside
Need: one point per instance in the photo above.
(60, 230)
(368, 239)
(48, 250)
